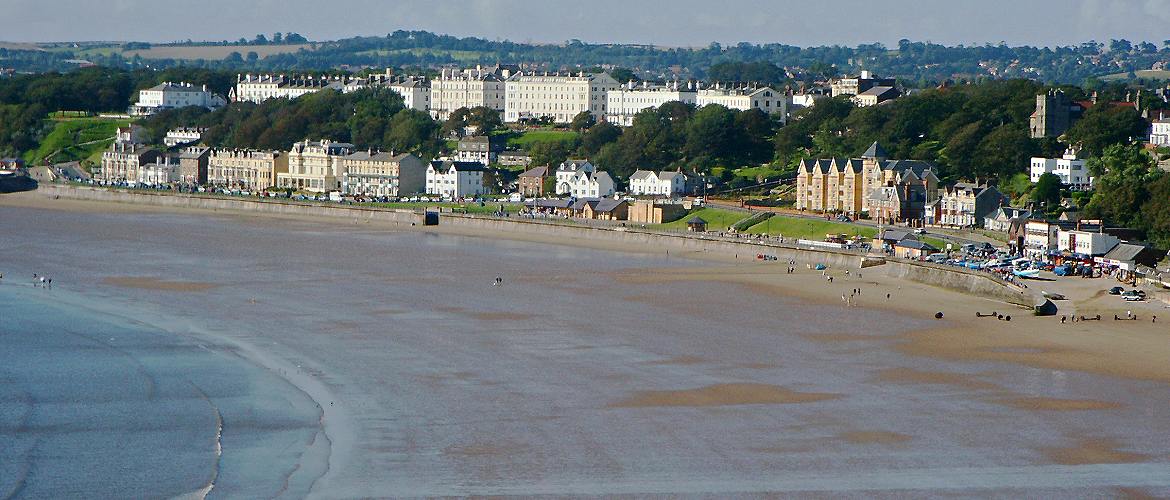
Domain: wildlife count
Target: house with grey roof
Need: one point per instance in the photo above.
(665, 183)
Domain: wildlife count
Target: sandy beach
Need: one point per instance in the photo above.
(602, 368)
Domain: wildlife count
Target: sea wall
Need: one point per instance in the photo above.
(963, 280)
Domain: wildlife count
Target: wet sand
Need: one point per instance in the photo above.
(601, 369)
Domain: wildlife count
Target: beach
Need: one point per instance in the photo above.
(597, 367)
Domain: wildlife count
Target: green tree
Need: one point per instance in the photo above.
(1157, 210)
(1047, 190)
(1104, 125)
(1121, 191)
(597, 137)
(582, 121)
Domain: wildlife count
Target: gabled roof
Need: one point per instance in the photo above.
(608, 205)
(696, 220)
(666, 176)
(915, 244)
(875, 151)
(573, 165)
(535, 172)
(895, 235)
(459, 166)
(641, 174)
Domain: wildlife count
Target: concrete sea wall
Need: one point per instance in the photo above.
(963, 280)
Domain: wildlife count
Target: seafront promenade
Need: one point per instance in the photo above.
(702, 245)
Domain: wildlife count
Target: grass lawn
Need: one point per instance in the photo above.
(530, 137)
(69, 138)
(808, 229)
(717, 219)
(757, 172)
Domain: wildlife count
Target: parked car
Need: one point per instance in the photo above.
(920, 231)
(1116, 290)
(1132, 297)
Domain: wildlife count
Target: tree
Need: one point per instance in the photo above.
(1121, 191)
(1103, 125)
(623, 75)
(1157, 210)
(710, 135)
(597, 137)
(277, 38)
(252, 56)
(582, 121)
(260, 39)
(1047, 190)
(486, 119)
(549, 152)
(234, 57)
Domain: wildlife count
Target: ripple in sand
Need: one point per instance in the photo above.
(147, 283)
(874, 437)
(1092, 451)
(912, 376)
(678, 360)
(1055, 404)
(723, 395)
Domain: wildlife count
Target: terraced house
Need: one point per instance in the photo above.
(373, 173)
(315, 166)
(556, 96)
(891, 190)
(245, 168)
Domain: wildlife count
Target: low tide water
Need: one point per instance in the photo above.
(568, 379)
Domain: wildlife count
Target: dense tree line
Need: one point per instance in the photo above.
(1131, 192)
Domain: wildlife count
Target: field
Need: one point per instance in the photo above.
(211, 52)
(717, 219)
(1144, 73)
(528, 138)
(809, 229)
(75, 139)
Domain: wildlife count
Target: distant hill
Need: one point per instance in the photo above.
(915, 63)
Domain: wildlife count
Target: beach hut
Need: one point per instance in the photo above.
(697, 224)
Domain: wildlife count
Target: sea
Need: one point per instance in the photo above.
(224, 355)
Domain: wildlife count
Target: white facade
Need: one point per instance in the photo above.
(762, 98)
(183, 135)
(1040, 238)
(315, 166)
(158, 174)
(593, 185)
(626, 101)
(647, 183)
(1070, 169)
(1160, 132)
(467, 89)
(415, 90)
(454, 179)
(567, 171)
(168, 95)
(258, 88)
(560, 97)
(1085, 242)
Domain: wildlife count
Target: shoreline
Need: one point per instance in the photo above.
(331, 417)
(625, 239)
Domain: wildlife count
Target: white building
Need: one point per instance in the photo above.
(169, 95)
(469, 88)
(1070, 169)
(315, 166)
(647, 183)
(373, 173)
(258, 88)
(580, 179)
(159, 174)
(556, 96)
(744, 98)
(415, 90)
(455, 179)
(1040, 238)
(567, 171)
(183, 135)
(628, 100)
(1087, 243)
(1160, 131)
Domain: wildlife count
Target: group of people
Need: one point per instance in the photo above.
(40, 281)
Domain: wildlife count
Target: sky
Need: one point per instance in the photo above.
(668, 23)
